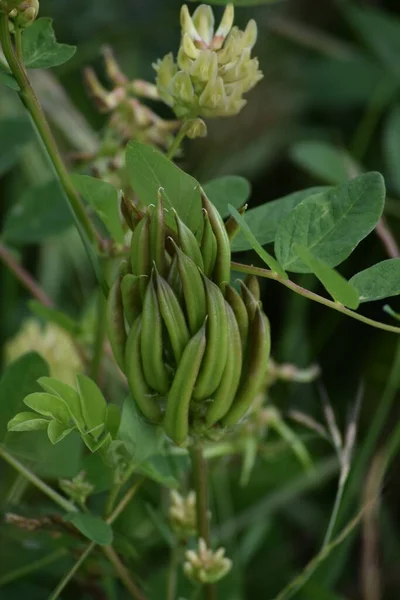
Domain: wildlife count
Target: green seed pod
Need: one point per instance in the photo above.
(193, 348)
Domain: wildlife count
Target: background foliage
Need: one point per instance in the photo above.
(327, 108)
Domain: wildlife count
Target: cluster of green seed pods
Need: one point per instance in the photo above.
(193, 348)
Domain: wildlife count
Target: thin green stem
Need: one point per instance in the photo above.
(112, 496)
(67, 578)
(180, 136)
(18, 42)
(123, 573)
(173, 572)
(33, 566)
(36, 481)
(85, 227)
(100, 334)
(260, 272)
(199, 474)
(335, 513)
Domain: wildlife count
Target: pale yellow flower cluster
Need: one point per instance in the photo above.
(214, 68)
(52, 343)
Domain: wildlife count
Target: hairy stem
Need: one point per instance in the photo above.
(260, 272)
(24, 277)
(199, 474)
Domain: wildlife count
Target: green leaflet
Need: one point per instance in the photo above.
(331, 224)
(379, 281)
(340, 289)
(267, 258)
(40, 49)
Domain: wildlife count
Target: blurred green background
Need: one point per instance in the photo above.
(331, 85)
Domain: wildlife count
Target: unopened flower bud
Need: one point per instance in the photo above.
(78, 489)
(195, 128)
(25, 13)
(205, 566)
(182, 513)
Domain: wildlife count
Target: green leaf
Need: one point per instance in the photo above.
(264, 220)
(142, 439)
(54, 316)
(158, 468)
(228, 190)
(27, 421)
(64, 460)
(92, 527)
(391, 146)
(113, 420)
(103, 197)
(39, 212)
(379, 281)
(40, 49)
(15, 133)
(267, 258)
(66, 393)
(49, 406)
(57, 431)
(93, 403)
(7, 79)
(18, 380)
(341, 290)
(325, 161)
(331, 224)
(149, 170)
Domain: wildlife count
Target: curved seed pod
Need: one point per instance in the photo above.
(252, 283)
(232, 227)
(253, 373)
(157, 236)
(238, 306)
(208, 246)
(222, 271)
(140, 252)
(216, 353)
(131, 297)
(188, 243)
(225, 393)
(152, 343)
(115, 318)
(173, 276)
(143, 395)
(176, 422)
(173, 317)
(193, 291)
(250, 301)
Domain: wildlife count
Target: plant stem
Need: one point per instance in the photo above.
(30, 101)
(33, 566)
(18, 42)
(177, 142)
(199, 474)
(172, 572)
(260, 272)
(100, 334)
(126, 578)
(36, 481)
(24, 277)
(123, 573)
(66, 579)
